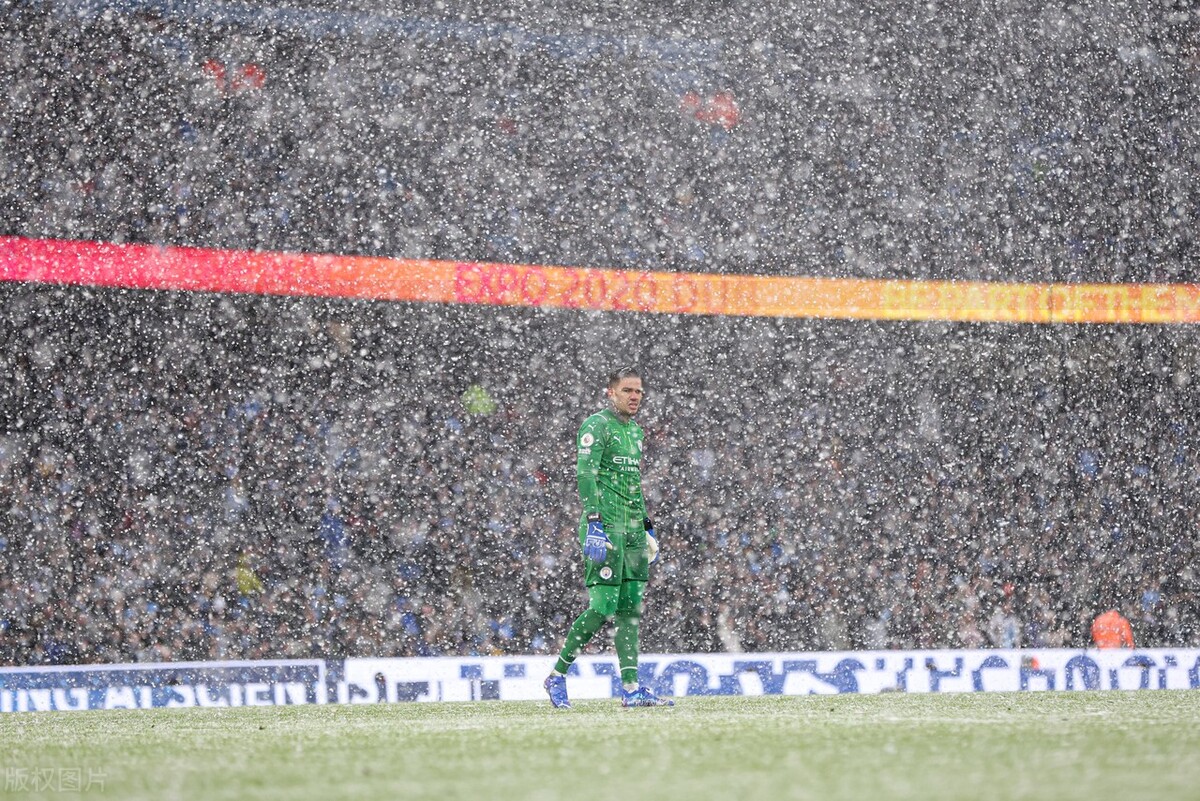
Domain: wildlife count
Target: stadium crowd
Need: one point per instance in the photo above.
(998, 141)
(194, 477)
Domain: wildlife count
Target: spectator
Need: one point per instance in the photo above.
(1111, 629)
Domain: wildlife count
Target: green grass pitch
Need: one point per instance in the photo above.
(1093, 745)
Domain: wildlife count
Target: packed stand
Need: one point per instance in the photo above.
(1011, 141)
(194, 477)
(189, 476)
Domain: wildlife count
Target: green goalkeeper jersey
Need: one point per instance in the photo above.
(608, 468)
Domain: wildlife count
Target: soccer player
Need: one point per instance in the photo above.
(616, 536)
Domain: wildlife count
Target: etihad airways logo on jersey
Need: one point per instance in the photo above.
(627, 464)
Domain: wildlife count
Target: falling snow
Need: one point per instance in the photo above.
(190, 476)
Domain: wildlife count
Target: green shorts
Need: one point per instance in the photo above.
(627, 561)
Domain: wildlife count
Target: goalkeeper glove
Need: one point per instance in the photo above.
(596, 544)
(651, 542)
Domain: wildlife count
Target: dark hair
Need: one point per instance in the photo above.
(617, 375)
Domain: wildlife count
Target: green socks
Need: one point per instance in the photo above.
(625, 603)
(626, 642)
(580, 634)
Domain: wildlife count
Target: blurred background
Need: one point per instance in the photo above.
(193, 476)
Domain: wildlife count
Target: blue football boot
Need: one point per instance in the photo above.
(643, 697)
(556, 688)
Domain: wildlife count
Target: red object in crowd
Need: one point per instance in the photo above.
(1111, 630)
(247, 76)
(720, 109)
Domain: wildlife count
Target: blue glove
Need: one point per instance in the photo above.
(596, 544)
(651, 542)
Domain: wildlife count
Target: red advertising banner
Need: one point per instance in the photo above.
(424, 281)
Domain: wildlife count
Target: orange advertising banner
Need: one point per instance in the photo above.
(422, 281)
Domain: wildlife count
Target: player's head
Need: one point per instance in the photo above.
(625, 390)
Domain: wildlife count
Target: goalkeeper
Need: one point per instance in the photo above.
(617, 538)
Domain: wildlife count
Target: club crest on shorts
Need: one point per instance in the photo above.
(606, 572)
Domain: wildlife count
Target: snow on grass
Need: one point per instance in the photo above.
(1031, 745)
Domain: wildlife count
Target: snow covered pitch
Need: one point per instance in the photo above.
(1078, 745)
